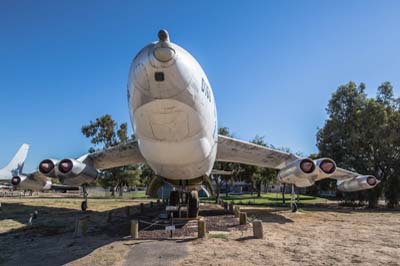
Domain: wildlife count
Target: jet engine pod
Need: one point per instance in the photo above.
(326, 167)
(301, 172)
(47, 167)
(75, 173)
(358, 183)
(16, 180)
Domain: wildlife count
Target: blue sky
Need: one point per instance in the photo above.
(273, 65)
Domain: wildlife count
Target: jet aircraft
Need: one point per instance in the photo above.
(174, 115)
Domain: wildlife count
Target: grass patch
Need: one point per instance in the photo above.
(218, 236)
(274, 199)
(125, 195)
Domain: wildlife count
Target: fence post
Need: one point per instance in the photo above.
(243, 218)
(231, 206)
(135, 229)
(201, 228)
(258, 229)
(237, 211)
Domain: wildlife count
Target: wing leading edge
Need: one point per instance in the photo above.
(238, 151)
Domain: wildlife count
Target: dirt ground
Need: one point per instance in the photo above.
(312, 236)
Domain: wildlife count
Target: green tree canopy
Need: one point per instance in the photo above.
(360, 134)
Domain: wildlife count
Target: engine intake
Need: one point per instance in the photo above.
(16, 180)
(47, 167)
(326, 167)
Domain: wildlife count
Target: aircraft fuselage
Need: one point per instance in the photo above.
(173, 111)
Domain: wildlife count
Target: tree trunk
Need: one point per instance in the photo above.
(258, 184)
(113, 191)
(226, 188)
(218, 183)
(121, 192)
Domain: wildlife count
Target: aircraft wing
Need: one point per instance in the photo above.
(343, 174)
(238, 151)
(120, 155)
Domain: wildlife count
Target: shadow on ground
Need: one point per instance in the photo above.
(50, 239)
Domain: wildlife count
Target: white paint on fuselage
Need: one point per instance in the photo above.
(175, 120)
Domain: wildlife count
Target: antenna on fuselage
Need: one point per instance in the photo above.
(163, 36)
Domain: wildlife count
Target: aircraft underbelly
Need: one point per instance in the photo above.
(172, 139)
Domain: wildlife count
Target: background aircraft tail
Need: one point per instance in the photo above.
(17, 163)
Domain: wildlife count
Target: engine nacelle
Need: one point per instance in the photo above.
(326, 167)
(30, 183)
(301, 172)
(48, 167)
(75, 173)
(358, 183)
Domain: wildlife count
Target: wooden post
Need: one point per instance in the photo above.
(81, 226)
(243, 218)
(135, 229)
(231, 206)
(237, 211)
(201, 224)
(141, 208)
(258, 229)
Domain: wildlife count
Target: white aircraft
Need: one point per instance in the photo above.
(12, 175)
(174, 115)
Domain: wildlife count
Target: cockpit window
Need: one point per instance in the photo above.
(159, 76)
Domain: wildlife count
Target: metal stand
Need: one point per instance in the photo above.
(293, 204)
(84, 204)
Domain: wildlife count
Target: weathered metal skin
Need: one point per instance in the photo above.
(293, 174)
(34, 182)
(173, 112)
(358, 183)
(80, 173)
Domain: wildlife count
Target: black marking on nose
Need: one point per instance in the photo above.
(159, 76)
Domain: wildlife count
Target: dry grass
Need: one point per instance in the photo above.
(326, 236)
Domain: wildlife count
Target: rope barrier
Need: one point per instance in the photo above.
(157, 224)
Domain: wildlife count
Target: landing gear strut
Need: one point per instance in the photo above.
(193, 204)
(188, 199)
(84, 204)
(293, 204)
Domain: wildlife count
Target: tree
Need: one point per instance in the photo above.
(255, 175)
(104, 133)
(360, 135)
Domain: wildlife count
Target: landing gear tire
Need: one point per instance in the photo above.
(84, 206)
(174, 198)
(193, 204)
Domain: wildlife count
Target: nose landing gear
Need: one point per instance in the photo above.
(190, 200)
